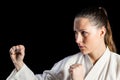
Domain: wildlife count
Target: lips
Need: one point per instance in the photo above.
(81, 47)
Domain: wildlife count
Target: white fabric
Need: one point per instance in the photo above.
(106, 68)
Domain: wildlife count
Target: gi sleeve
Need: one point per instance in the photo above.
(26, 74)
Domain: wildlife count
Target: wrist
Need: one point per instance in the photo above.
(19, 65)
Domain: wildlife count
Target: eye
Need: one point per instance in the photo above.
(84, 33)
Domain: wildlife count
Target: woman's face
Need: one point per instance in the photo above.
(87, 35)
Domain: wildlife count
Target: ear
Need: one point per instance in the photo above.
(102, 31)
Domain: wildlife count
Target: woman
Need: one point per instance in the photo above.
(97, 59)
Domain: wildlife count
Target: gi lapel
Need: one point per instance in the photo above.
(98, 67)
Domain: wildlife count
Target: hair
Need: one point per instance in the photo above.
(98, 16)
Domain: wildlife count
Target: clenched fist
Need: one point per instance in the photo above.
(17, 54)
(76, 72)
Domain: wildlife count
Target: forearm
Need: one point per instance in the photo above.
(23, 74)
(19, 65)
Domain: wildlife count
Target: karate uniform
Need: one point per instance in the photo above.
(106, 68)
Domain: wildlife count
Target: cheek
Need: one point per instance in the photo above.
(92, 41)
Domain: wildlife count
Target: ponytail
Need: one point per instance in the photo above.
(109, 38)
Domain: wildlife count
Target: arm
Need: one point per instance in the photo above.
(21, 71)
(23, 74)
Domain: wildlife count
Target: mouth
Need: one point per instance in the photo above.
(81, 47)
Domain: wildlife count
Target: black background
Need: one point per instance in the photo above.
(46, 30)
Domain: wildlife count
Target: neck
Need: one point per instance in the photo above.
(97, 54)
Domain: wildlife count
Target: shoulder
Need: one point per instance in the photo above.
(115, 63)
(115, 56)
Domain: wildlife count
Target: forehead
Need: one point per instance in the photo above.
(82, 23)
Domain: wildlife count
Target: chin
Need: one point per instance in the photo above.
(84, 52)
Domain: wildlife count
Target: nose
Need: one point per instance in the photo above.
(78, 38)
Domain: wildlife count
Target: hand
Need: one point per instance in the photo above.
(77, 72)
(17, 54)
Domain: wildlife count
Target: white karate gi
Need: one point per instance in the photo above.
(106, 68)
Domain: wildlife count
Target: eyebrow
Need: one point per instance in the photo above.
(80, 29)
